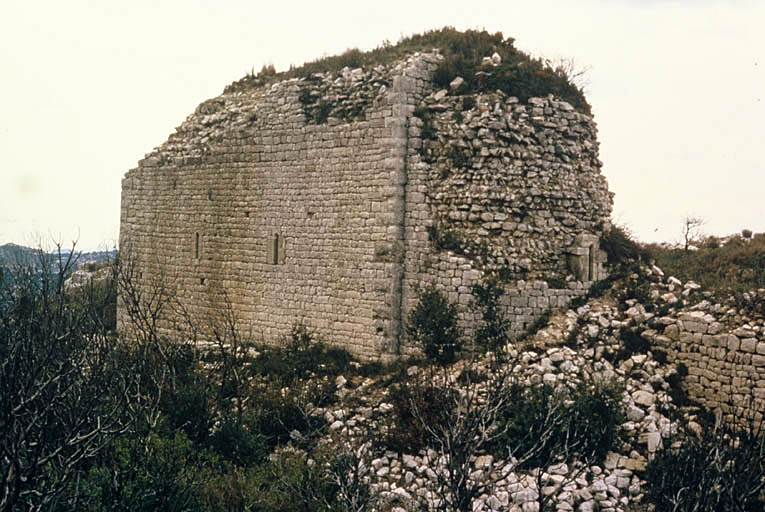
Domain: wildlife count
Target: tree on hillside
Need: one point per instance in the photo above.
(691, 230)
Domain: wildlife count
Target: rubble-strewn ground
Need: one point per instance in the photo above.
(609, 339)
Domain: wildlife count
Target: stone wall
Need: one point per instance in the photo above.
(254, 203)
(329, 201)
(724, 356)
(500, 189)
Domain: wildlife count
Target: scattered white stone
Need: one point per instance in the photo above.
(456, 83)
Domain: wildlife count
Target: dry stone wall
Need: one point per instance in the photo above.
(330, 201)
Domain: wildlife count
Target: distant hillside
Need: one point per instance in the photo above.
(12, 254)
(735, 264)
(18, 255)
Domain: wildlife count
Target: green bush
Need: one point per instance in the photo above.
(735, 267)
(722, 469)
(233, 440)
(518, 75)
(638, 289)
(415, 405)
(542, 426)
(63, 389)
(445, 239)
(146, 474)
(290, 482)
(186, 400)
(493, 333)
(620, 247)
(299, 357)
(633, 341)
(280, 416)
(433, 323)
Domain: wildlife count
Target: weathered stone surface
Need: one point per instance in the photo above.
(327, 201)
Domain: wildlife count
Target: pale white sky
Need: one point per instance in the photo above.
(88, 87)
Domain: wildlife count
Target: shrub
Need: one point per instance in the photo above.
(433, 323)
(676, 392)
(63, 388)
(518, 75)
(620, 247)
(282, 416)
(146, 474)
(414, 406)
(633, 341)
(234, 441)
(299, 357)
(721, 469)
(468, 102)
(290, 482)
(635, 289)
(542, 426)
(659, 355)
(731, 268)
(557, 283)
(493, 332)
(445, 239)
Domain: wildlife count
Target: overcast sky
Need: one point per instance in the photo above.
(87, 88)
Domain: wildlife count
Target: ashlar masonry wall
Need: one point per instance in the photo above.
(726, 366)
(322, 201)
(250, 203)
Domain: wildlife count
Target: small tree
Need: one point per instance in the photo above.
(493, 332)
(433, 322)
(466, 424)
(691, 230)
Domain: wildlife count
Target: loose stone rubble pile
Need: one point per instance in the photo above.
(585, 344)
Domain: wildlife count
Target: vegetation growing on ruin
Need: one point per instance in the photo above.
(518, 74)
(93, 421)
(735, 266)
(720, 468)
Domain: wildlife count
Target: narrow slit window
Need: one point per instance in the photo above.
(276, 250)
(196, 245)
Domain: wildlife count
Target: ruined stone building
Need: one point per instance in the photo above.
(331, 200)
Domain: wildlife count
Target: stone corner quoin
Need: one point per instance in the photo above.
(331, 201)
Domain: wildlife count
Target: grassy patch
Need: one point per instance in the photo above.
(737, 266)
(518, 75)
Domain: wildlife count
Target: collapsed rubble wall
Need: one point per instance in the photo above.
(508, 191)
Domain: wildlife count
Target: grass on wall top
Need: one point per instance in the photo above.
(518, 75)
